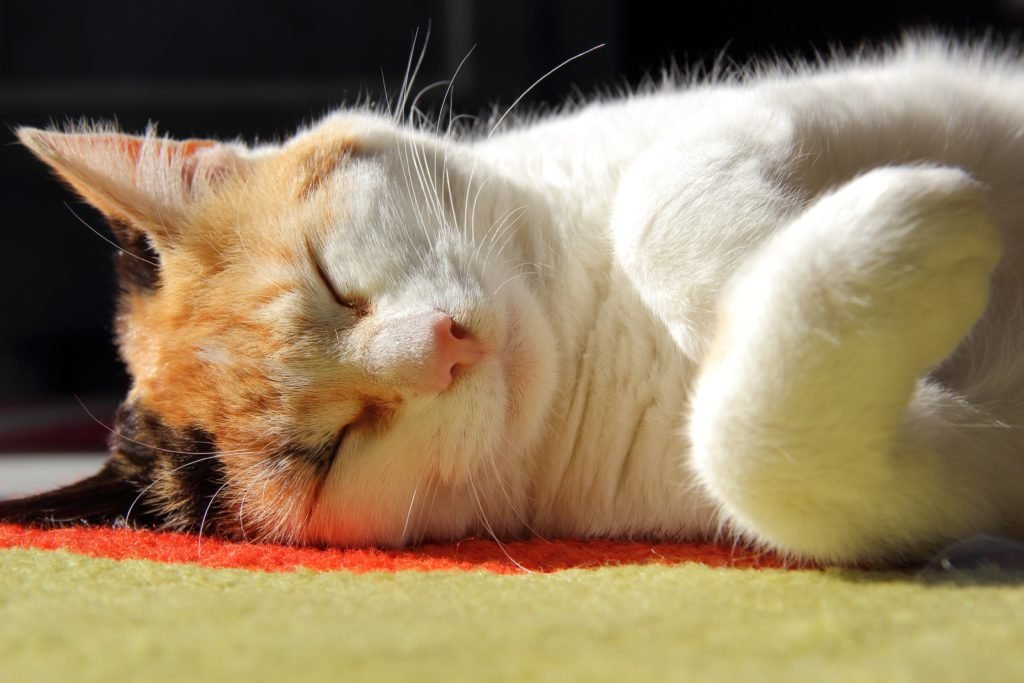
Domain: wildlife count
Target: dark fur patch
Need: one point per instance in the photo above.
(320, 456)
(376, 415)
(182, 464)
(100, 499)
(165, 477)
(138, 264)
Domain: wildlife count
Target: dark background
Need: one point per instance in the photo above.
(259, 69)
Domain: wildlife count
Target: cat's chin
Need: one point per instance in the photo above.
(409, 507)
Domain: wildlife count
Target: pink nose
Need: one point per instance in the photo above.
(456, 350)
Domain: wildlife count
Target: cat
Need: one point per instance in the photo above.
(784, 306)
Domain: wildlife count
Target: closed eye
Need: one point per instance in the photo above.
(357, 305)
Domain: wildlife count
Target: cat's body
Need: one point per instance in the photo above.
(759, 306)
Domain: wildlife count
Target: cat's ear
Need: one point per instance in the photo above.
(148, 182)
(102, 498)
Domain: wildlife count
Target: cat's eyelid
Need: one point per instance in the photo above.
(327, 282)
(356, 305)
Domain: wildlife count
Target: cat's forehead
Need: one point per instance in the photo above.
(317, 152)
(315, 157)
(290, 198)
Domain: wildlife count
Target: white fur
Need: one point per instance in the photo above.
(765, 303)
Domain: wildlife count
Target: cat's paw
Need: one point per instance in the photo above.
(820, 346)
(920, 247)
(899, 259)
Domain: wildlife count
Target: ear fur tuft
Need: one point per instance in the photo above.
(149, 182)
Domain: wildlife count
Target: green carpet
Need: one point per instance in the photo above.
(66, 617)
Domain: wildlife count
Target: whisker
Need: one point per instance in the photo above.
(206, 512)
(449, 94)
(465, 204)
(143, 492)
(245, 494)
(411, 72)
(433, 488)
(498, 228)
(512, 279)
(473, 214)
(423, 91)
(408, 514)
(490, 530)
(460, 117)
(107, 240)
(538, 82)
(508, 497)
(512, 229)
(157, 448)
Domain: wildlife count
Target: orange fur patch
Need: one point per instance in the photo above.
(318, 163)
(229, 342)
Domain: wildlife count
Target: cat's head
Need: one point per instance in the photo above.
(328, 339)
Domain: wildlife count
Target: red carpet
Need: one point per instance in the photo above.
(508, 558)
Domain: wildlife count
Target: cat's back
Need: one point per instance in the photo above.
(925, 86)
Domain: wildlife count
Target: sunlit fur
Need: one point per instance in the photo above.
(757, 306)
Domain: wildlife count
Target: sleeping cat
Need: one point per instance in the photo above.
(783, 306)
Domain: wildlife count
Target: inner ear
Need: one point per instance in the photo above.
(147, 182)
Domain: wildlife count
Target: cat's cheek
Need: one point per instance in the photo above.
(359, 494)
(435, 444)
(387, 492)
(529, 366)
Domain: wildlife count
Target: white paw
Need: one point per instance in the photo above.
(825, 336)
(920, 271)
(899, 259)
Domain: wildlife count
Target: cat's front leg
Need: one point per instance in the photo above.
(811, 421)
